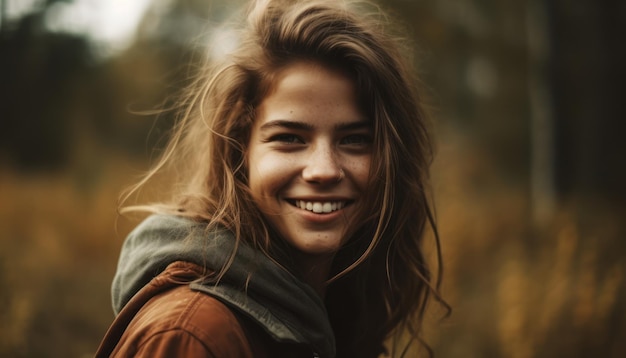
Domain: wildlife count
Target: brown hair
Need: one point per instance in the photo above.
(382, 281)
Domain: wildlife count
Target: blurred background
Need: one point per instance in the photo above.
(526, 97)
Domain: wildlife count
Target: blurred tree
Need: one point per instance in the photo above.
(39, 71)
(60, 103)
(479, 62)
(587, 73)
(3, 13)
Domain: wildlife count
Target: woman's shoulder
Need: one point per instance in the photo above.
(185, 309)
(182, 322)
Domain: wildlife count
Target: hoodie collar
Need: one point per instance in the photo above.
(287, 308)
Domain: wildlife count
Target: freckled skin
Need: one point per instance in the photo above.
(310, 142)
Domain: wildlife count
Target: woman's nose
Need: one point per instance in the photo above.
(322, 166)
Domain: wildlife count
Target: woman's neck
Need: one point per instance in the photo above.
(314, 271)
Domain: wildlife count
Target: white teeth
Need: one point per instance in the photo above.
(320, 207)
(327, 207)
(317, 207)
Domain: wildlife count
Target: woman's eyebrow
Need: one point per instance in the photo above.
(287, 124)
(296, 125)
(349, 126)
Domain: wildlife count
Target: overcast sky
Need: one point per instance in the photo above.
(109, 23)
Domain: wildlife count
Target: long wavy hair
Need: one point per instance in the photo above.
(381, 281)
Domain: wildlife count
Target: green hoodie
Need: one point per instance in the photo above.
(285, 307)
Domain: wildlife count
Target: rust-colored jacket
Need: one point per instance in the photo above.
(169, 319)
(258, 309)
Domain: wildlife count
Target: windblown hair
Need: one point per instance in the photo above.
(382, 281)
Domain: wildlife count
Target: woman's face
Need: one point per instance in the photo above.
(309, 157)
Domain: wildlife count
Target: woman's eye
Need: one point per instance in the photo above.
(286, 138)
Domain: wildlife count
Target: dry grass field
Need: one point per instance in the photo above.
(517, 290)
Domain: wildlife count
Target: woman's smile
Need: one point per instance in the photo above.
(309, 157)
(320, 207)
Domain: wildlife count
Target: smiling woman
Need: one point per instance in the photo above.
(295, 227)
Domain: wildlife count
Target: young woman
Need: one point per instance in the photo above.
(296, 228)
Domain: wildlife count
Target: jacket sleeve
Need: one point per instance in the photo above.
(173, 343)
